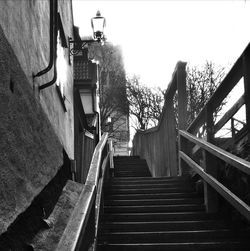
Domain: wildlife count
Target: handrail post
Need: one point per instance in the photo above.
(183, 146)
(246, 74)
(182, 96)
(209, 165)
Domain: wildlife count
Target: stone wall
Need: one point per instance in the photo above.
(34, 127)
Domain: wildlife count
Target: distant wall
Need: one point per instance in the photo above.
(34, 127)
(158, 145)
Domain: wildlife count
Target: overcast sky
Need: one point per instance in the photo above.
(154, 35)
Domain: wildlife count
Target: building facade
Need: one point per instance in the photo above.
(46, 138)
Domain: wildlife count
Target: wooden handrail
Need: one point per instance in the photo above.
(95, 165)
(229, 158)
(235, 201)
(172, 87)
(231, 79)
(229, 114)
(99, 199)
(80, 216)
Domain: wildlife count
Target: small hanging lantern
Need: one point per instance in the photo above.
(98, 24)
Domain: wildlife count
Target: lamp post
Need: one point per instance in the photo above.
(86, 75)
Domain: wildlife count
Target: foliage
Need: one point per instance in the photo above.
(145, 104)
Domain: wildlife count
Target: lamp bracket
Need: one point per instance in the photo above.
(78, 45)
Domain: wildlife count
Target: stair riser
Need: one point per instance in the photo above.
(149, 186)
(150, 196)
(132, 174)
(165, 237)
(162, 226)
(149, 182)
(162, 208)
(180, 216)
(153, 202)
(148, 191)
(136, 179)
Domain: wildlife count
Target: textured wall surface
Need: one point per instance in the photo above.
(48, 239)
(25, 24)
(34, 128)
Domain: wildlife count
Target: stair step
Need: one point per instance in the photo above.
(138, 196)
(149, 181)
(181, 246)
(154, 202)
(138, 226)
(167, 236)
(150, 190)
(151, 185)
(153, 208)
(160, 216)
(138, 179)
(132, 173)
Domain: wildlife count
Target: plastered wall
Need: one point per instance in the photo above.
(34, 127)
(25, 24)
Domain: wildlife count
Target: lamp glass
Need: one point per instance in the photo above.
(87, 102)
(98, 24)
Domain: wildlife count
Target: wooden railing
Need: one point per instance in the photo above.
(201, 156)
(207, 165)
(210, 155)
(158, 145)
(81, 232)
(241, 69)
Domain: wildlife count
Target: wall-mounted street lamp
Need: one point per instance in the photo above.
(98, 24)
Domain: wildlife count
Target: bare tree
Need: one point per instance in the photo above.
(145, 104)
(201, 84)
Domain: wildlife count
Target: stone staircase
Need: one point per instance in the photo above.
(144, 213)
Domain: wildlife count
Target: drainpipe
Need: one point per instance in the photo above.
(52, 21)
(97, 114)
(55, 29)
